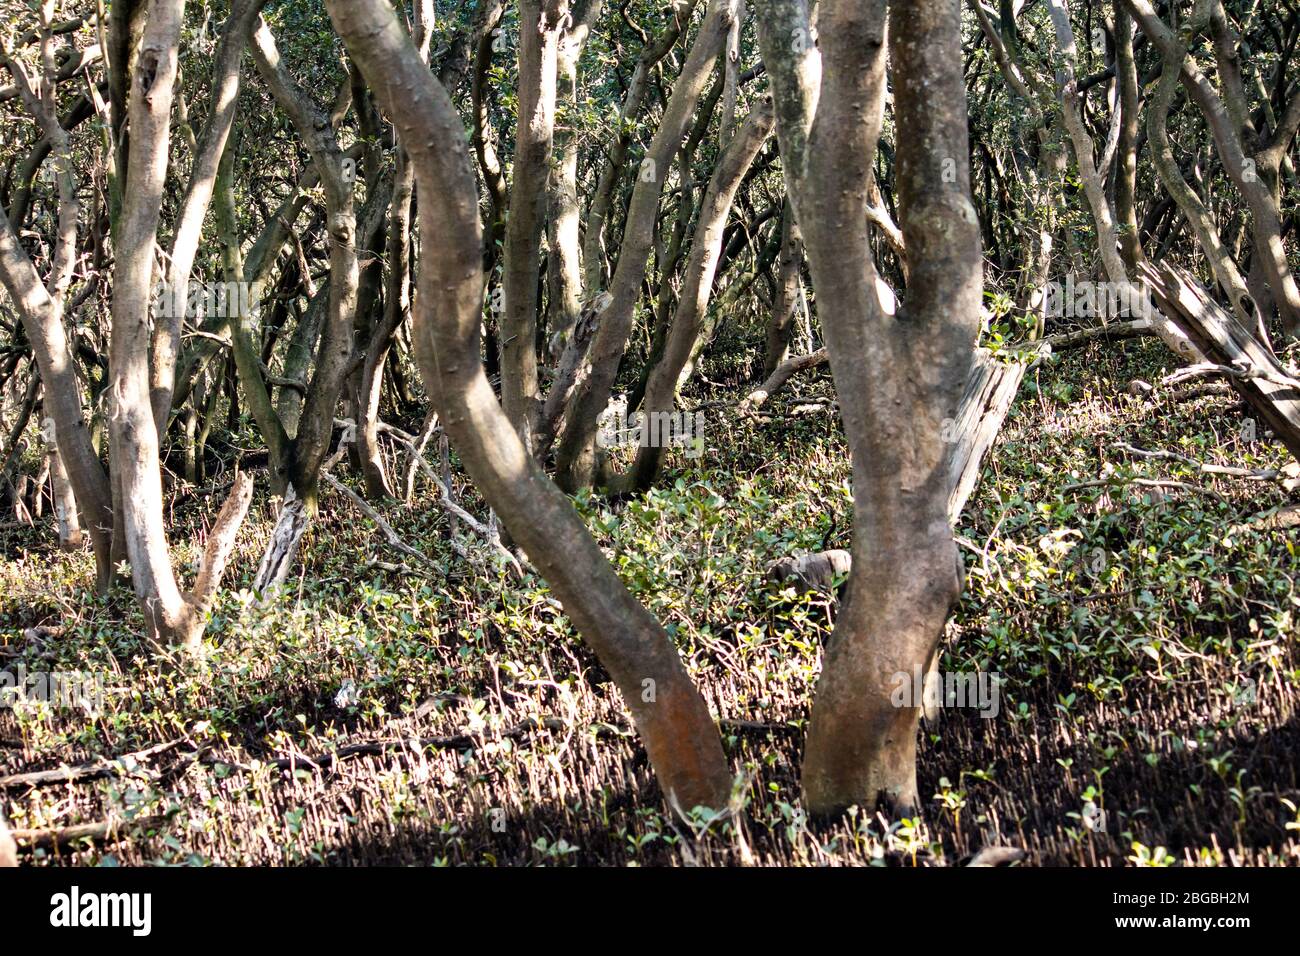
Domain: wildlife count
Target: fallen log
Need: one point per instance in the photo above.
(1110, 333)
(776, 381)
(62, 837)
(1249, 365)
(88, 771)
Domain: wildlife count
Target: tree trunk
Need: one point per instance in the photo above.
(65, 502)
(701, 268)
(311, 441)
(898, 377)
(679, 734)
(780, 324)
(575, 454)
(541, 24)
(189, 224)
(172, 615)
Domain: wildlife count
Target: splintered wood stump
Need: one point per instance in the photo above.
(990, 390)
(1249, 365)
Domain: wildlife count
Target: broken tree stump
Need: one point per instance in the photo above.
(1233, 351)
(990, 390)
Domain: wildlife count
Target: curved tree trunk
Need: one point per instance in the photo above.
(311, 441)
(672, 718)
(701, 268)
(41, 308)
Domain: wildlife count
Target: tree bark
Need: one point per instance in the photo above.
(575, 454)
(41, 308)
(675, 724)
(780, 324)
(172, 615)
(593, 248)
(541, 25)
(65, 501)
(311, 441)
(898, 378)
(189, 222)
(701, 268)
(1267, 225)
(564, 258)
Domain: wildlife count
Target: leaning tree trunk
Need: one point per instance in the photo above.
(1093, 187)
(1243, 170)
(576, 451)
(898, 377)
(701, 267)
(671, 716)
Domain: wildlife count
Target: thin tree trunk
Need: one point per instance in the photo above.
(173, 615)
(593, 249)
(1231, 150)
(65, 502)
(780, 324)
(564, 258)
(189, 224)
(41, 309)
(311, 441)
(701, 268)
(541, 25)
(575, 454)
